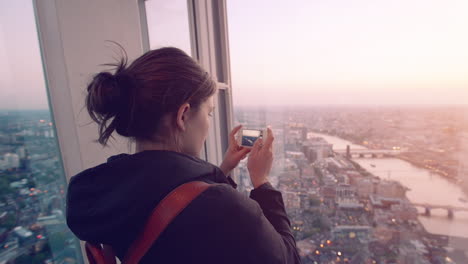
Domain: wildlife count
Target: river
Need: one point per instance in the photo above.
(425, 187)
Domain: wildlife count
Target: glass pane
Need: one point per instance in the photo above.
(32, 180)
(219, 47)
(221, 105)
(369, 104)
(168, 24)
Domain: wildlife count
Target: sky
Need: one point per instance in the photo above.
(22, 83)
(349, 52)
(297, 52)
(164, 19)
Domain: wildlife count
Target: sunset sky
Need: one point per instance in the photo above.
(349, 52)
(294, 52)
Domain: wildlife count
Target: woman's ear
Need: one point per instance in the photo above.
(182, 116)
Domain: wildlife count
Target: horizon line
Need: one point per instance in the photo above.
(299, 105)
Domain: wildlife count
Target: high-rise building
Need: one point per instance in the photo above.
(11, 160)
(317, 149)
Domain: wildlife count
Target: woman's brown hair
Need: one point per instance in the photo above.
(134, 99)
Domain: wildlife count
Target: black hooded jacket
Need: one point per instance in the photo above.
(110, 203)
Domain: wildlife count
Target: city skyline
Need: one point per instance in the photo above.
(389, 201)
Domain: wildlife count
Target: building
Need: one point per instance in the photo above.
(21, 151)
(349, 204)
(383, 202)
(404, 211)
(413, 252)
(306, 247)
(22, 233)
(360, 234)
(291, 200)
(364, 187)
(391, 189)
(329, 191)
(317, 149)
(345, 191)
(11, 160)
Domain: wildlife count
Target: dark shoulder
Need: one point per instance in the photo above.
(224, 199)
(214, 227)
(237, 228)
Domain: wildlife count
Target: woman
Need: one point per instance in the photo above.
(163, 101)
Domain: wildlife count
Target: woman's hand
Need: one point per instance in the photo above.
(261, 160)
(234, 154)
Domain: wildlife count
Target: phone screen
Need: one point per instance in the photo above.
(249, 136)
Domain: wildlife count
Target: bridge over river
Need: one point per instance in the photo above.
(450, 209)
(374, 153)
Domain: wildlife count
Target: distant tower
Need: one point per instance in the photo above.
(26, 162)
(348, 152)
(304, 134)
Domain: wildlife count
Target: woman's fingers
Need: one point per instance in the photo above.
(269, 139)
(232, 135)
(256, 147)
(243, 153)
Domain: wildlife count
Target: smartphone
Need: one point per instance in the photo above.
(249, 136)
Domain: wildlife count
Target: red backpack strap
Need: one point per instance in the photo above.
(99, 254)
(161, 217)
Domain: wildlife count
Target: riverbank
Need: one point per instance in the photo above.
(437, 245)
(434, 241)
(425, 187)
(448, 176)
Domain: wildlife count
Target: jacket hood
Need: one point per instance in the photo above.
(112, 200)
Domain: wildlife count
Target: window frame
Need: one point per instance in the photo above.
(52, 21)
(208, 42)
(57, 86)
(209, 36)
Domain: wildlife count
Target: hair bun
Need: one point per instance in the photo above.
(124, 84)
(104, 94)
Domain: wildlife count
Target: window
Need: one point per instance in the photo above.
(199, 27)
(168, 24)
(368, 101)
(174, 24)
(32, 180)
